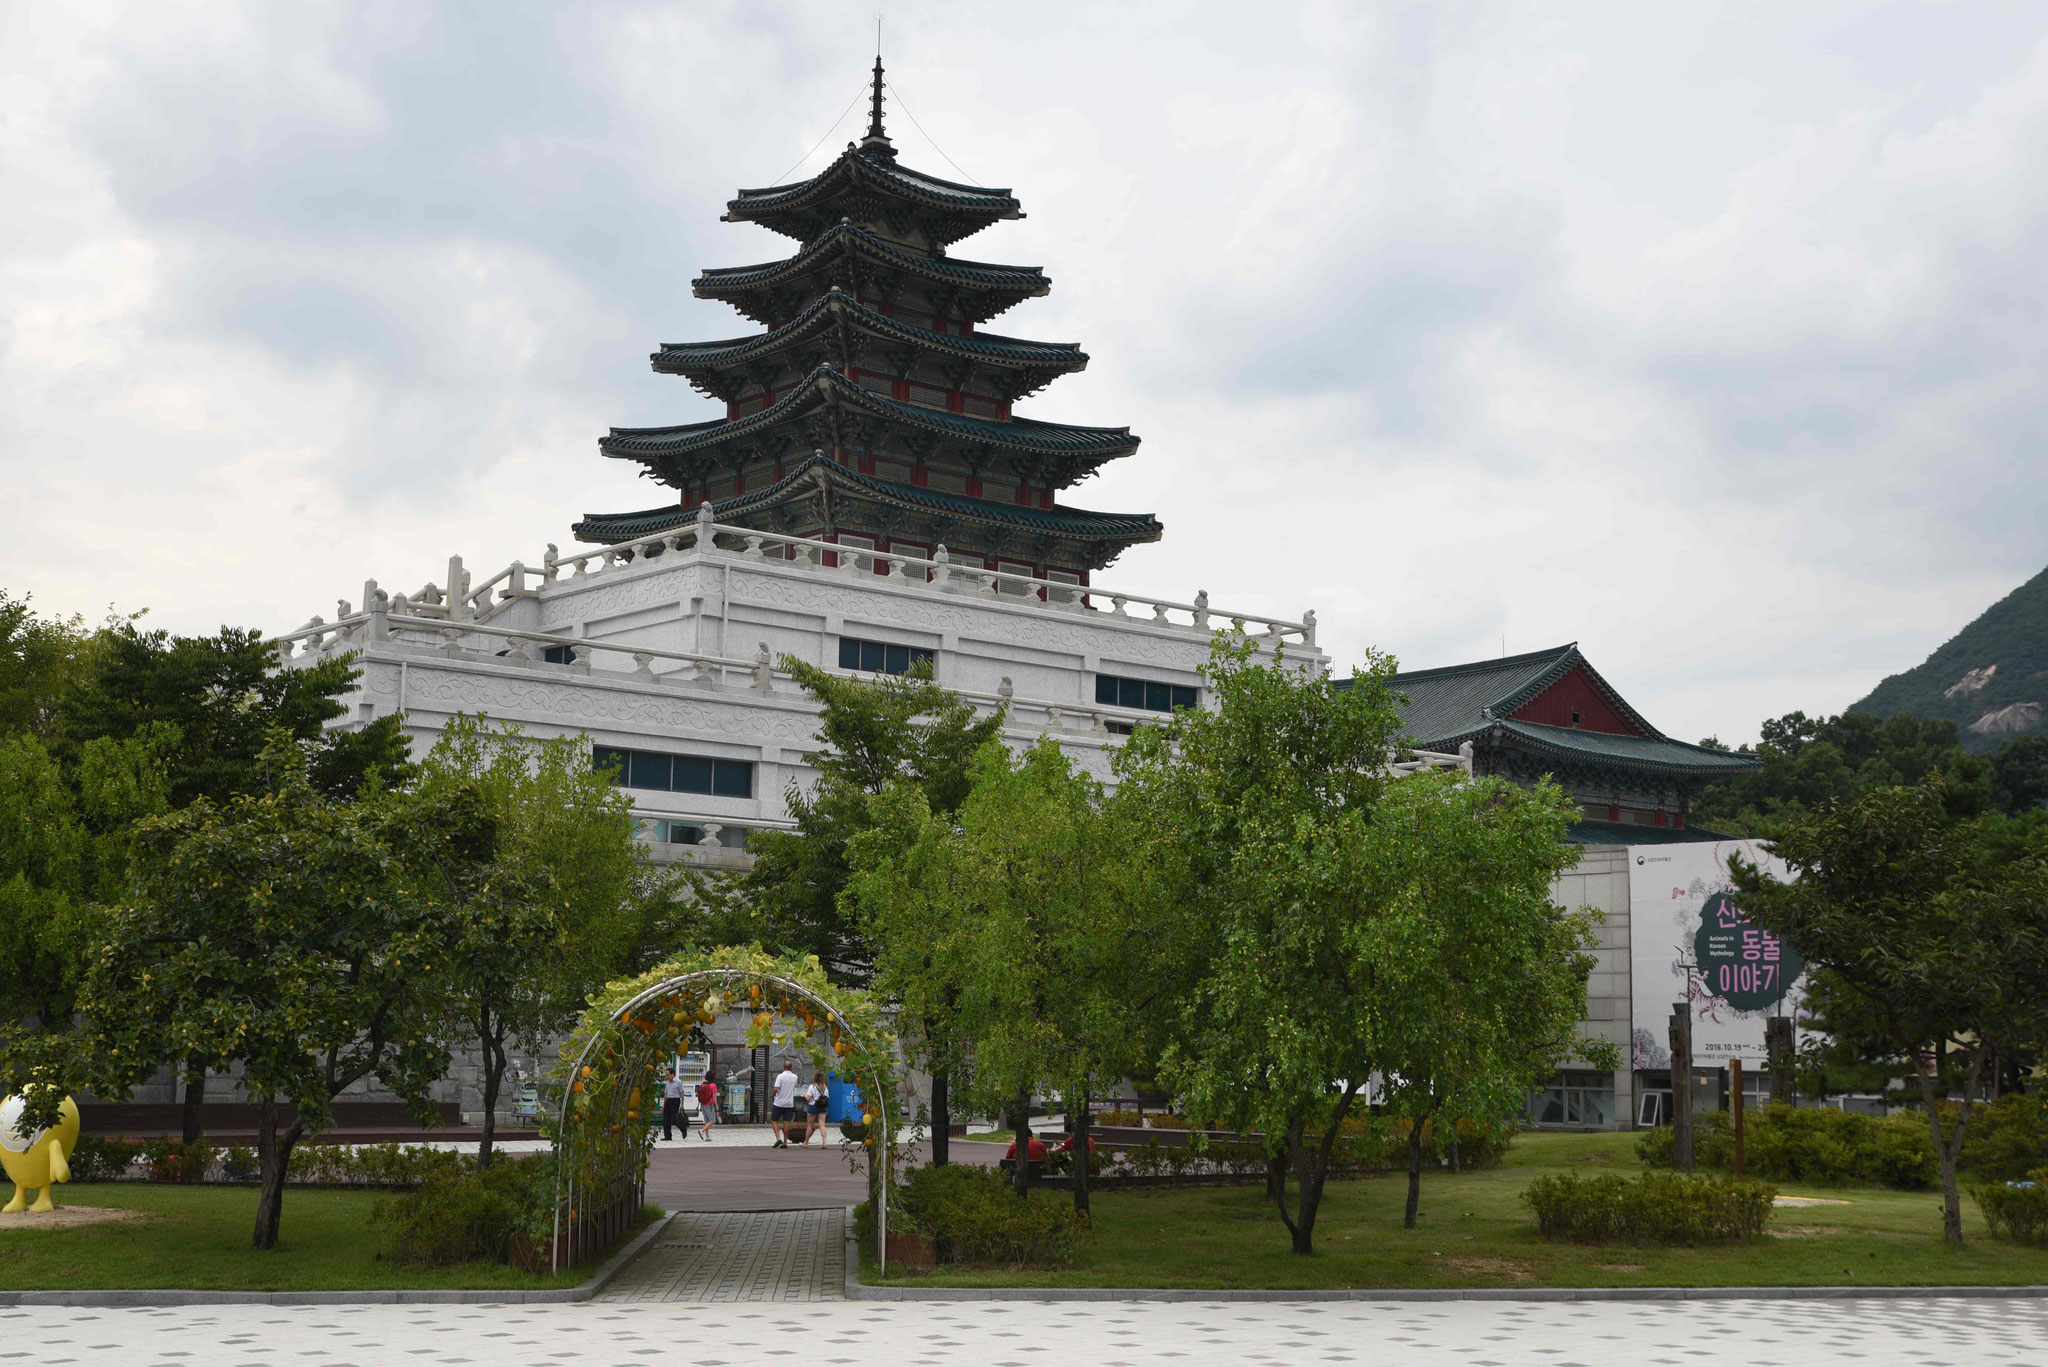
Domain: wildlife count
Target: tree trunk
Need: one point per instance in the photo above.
(942, 1121)
(1414, 1175)
(1276, 1178)
(1946, 1152)
(273, 1157)
(491, 1038)
(1276, 1175)
(1078, 1124)
(195, 1096)
(188, 1122)
(1020, 1119)
(1309, 1171)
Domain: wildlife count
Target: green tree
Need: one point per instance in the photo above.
(901, 728)
(294, 935)
(39, 658)
(1942, 950)
(1011, 928)
(1810, 762)
(1306, 884)
(225, 697)
(1479, 979)
(567, 872)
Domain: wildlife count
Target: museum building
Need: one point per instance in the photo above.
(871, 498)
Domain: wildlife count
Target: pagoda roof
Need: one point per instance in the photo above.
(817, 474)
(852, 254)
(946, 209)
(826, 388)
(837, 311)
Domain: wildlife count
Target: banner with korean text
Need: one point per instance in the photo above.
(1690, 942)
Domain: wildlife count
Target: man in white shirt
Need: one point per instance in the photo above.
(783, 1104)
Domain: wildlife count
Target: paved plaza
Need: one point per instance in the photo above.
(1007, 1334)
(789, 1255)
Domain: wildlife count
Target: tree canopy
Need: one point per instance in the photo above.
(1922, 941)
(893, 728)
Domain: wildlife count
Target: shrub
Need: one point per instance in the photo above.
(466, 1214)
(971, 1216)
(2017, 1211)
(2008, 1138)
(1812, 1145)
(1125, 1118)
(1657, 1207)
(238, 1163)
(173, 1160)
(1164, 1121)
(98, 1159)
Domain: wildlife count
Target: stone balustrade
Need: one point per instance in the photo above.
(939, 573)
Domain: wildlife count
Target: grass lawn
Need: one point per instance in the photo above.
(1474, 1232)
(198, 1238)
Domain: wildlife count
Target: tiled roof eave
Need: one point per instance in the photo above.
(853, 168)
(1120, 528)
(681, 357)
(1021, 434)
(1673, 756)
(1024, 281)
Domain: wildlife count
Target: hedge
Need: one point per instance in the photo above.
(1810, 1145)
(1656, 1208)
(2016, 1211)
(971, 1215)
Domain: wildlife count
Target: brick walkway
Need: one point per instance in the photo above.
(783, 1255)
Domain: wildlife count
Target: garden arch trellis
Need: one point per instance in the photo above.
(601, 1145)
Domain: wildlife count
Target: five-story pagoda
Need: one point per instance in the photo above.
(873, 412)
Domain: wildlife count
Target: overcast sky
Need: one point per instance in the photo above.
(1712, 337)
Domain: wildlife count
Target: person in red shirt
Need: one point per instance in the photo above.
(1036, 1150)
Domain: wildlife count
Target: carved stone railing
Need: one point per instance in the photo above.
(939, 573)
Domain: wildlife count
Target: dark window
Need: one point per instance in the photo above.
(644, 769)
(676, 773)
(557, 655)
(879, 657)
(1143, 693)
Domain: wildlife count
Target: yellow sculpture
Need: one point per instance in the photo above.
(36, 1159)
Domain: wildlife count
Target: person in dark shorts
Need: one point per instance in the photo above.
(783, 1104)
(817, 1098)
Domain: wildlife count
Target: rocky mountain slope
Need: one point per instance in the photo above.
(1990, 679)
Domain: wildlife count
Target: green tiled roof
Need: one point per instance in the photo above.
(827, 387)
(990, 288)
(1060, 520)
(836, 308)
(1635, 752)
(872, 171)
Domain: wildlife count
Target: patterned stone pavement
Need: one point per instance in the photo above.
(784, 1255)
(1011, 1334)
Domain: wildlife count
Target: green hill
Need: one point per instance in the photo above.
(1990, 679)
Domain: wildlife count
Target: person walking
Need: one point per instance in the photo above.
(707, 1105)
(817, 1097)
(783, 1104)
(672, 1106)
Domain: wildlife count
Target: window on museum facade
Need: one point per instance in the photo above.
(879, 657)
(1575, 1096)
(1145, 693)
(677, 773)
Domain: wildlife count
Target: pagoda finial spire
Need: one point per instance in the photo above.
(876, 138)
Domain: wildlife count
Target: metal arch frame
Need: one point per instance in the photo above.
(670, 984)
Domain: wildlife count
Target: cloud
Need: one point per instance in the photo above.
(1712, 342)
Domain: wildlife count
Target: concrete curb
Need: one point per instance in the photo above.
(118, 1299)
(856, 1290)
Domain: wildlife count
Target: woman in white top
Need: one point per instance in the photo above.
(817, 1098)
